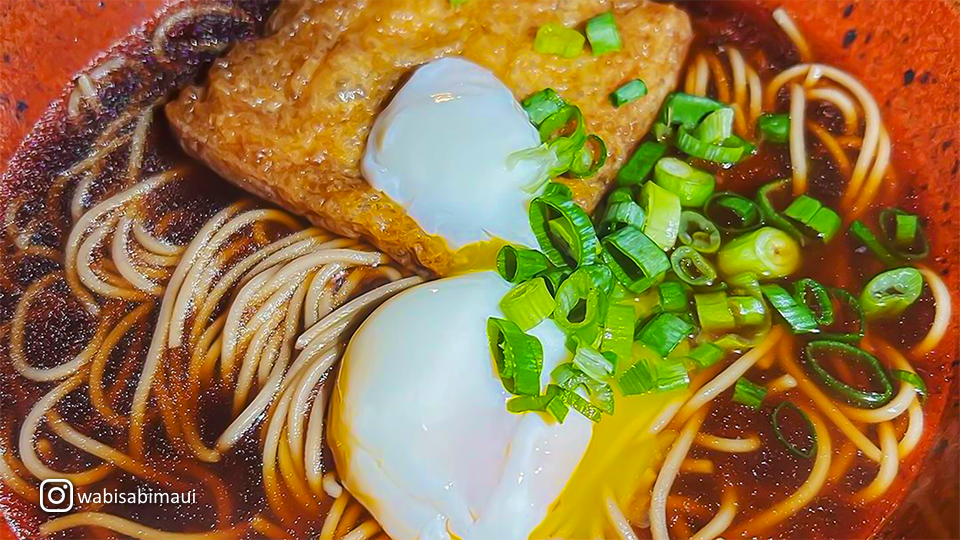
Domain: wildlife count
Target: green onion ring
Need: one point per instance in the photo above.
(854, 396)
(792, 448)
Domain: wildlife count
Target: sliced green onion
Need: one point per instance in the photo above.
(458, 3)
(768, 211)
(698, 232)
(564, 141)
(582, 406)
(671, 375)
(687, 109)
(774, 127)
(713, 312)
(618, 331)
(620, 215)
(690, 184)
(639, 379)
(634, 259)
(629, 91)
(550, 402)
(582, 244)
(601, 276)
(516, 264)
(747, 310)
(692, 267)
(911, 378)
(732, 150)
(556, 188)
(664, 332)
(673, 297)
(663, 215)
(586, 162)
(841, 390)
(570, 378)
(890, 293)
(543, 104)
(553, 277)
(593, 364)
(716, 127)
(745, 283)
(519, 356)
(603, 34)
(748, 393)
(554, 38)
(705, 355)
(815, 216)
(844, 298)
(578, 303)
(814, 295)
(638, 167)
(906, 229)
(621, 194)
(798, 316)
(732, 212)
(866, 237)
(528, 303)
(806, 453)
(903, 233)
(767, 252)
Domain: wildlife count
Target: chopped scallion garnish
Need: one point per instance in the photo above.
(866, 237)
(811, 213)
(664, 332)
(716, 127)
(913, 379)
(748, 393)
(775, 418)
(673, 297)
(641, 163)
(577, 245)
(543, 104)
(774, 127)
(731, 150)
(767, 252)
(550, 402)
(890, 293)
(844, 352)
(636, 261)
(692, 267)
(732, 212)
(687, 109)
(556, 39)
(698, 232)
(798, 316)
(713, 312)
(691, 185)
(663, 215)
(516, 264)
(630, 91)
(528, 303)
(620, 215)
(519, 357)
(618, 329)
(603, 34)
(705, 355)
(814, 295)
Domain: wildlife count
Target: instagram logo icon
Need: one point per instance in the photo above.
(56, 495)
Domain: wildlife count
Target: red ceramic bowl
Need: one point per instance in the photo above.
(906, 51)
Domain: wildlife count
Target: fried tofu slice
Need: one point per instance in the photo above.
(287, 116)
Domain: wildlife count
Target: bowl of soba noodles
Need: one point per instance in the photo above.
(479, 270)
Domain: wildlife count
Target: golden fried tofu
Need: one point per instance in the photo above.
(287, 116)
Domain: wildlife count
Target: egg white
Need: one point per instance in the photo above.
(419, 425)
(442, 149)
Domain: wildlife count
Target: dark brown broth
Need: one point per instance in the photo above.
(761, 478)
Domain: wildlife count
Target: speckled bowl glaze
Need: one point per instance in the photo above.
(907, 52)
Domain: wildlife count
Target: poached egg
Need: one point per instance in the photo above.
(422, 438)
(446, 149)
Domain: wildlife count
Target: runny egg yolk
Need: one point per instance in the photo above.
(422, 437)
(442, 149)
